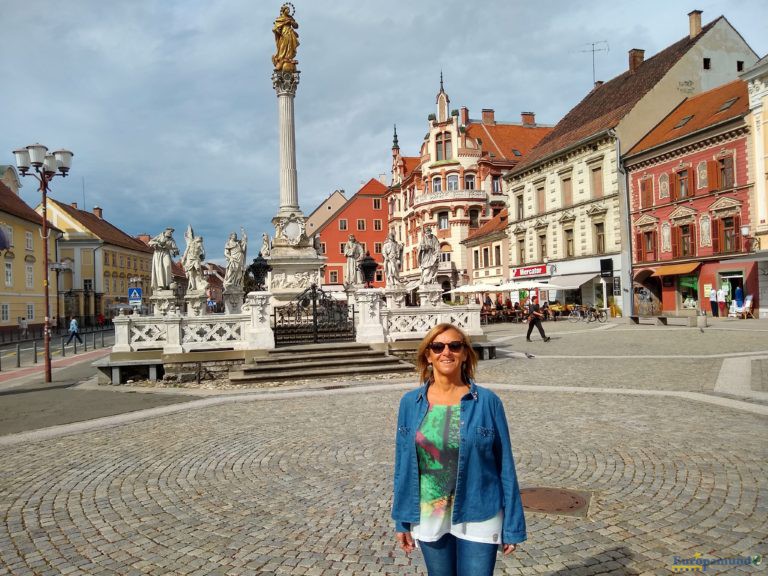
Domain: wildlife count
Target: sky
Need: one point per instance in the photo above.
(169, 108)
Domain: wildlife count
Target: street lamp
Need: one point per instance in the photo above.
(46, 166)
(368, 268)
(751, 243)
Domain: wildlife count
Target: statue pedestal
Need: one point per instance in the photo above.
(233, 300)
(431, 295)
(370, 329)
(295, 267)
(163, 302)
(196, 301)
(259, 334)
(395, 297)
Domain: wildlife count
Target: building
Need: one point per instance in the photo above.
(324, 211)
(488, 249)
(364, 216)
(100, 262)
(454, 185)
(21, 246)
(690, 193)
(568, 198)
(214, 277)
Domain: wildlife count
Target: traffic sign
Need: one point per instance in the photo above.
(134, 296)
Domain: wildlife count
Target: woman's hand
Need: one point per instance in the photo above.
(508, 549)
(405, 541)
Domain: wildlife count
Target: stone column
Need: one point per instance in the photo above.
(259, 335)
(122, 333)
(196, 303)
(431, 295)
(233, 301)
(163, 302)
(395, 297)
(285, 84)
(370, 328)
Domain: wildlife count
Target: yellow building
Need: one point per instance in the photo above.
(99, 263)
(22, 295)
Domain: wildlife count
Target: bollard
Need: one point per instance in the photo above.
(63, 348)
(102, 338)
(18, 355)
(85, 342)
(74, 346)
(34, 351)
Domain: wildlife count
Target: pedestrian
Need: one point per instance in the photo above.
(74, 330)
(534, 319)
(713, 301)
(23, 327)
(721, 301)
(458, 511)
(738, 295)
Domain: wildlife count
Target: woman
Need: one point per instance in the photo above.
(456, 491)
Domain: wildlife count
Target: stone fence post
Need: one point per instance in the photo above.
(259, 334)
(370, 329)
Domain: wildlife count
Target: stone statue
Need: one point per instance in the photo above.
(429, 257)
(317, 244)
(266, 245)
(165, 249)
(354, 252)
(234, 252)
(392, 251)
(286, 39)
(192, 261)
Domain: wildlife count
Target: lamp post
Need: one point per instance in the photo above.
(46, 165)
(368, 268)
(751, 243)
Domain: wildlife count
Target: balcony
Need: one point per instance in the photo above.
(450, 196)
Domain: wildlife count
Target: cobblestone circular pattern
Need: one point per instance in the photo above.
(302, 486)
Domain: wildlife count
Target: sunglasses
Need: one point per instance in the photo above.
(455, 346)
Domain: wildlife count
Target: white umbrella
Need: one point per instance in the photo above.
(528, 285)
(473, 289)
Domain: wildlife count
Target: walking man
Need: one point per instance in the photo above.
(74, 330)
(534, 319)
(721, 302)
(24, 328)
(713, 301)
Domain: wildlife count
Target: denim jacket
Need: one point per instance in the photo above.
(486, 481)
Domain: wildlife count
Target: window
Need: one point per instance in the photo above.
(569, 251)
(29, 276)
(106, 283)
(727, 104)
(496, 184)
(334, 277)
(541, 201)
(542, 246)
(600, 238)
(135, 263)
(28, 241)
(683, 185)
(476, 258)
(106, 258)
(437, 184)
(341, 248)
(5, 312)
(114, 259)
(739, 65)
(443, 146)
(452, 181)
(726, 235)
(567, 189)
(497, 254)
(469, 181)
(442, 221)
(114, 284)
(377, 225)
(646, 192)
(122, 285)
(596, 180)
(361, 225)
(646, 246)
(445, 253)
(474, 218)
(376, 204)
(122, 261)
(683, 121)
(486, 258)
(707, 63)
(343, 224)
(519, 206)
(87, 284)
(683, 241)
(379, 276)
(30, 311)
(8, 274)
(521, 251)
(377, 247)
(322, 247)
(725, 169)
(8, 233)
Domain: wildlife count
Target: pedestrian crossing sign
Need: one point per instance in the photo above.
(134, 296)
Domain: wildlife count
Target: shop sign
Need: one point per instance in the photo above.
(616, 286)
(528, 271)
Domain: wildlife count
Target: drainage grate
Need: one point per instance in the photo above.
(555, 501)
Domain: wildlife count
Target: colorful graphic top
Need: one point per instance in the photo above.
(437, 447)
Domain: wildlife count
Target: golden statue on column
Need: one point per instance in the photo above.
(286, 39)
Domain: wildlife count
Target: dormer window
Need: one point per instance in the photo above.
(683, 121)
(443, 146)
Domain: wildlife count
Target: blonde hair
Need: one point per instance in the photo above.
(423, 366)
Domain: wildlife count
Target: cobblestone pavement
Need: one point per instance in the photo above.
(288, 484)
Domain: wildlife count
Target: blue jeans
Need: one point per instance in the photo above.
(451, 556)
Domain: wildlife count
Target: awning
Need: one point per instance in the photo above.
(674, 269)
(572, 281)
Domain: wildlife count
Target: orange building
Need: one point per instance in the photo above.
(364, 216)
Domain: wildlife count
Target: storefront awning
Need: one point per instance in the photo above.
(674, 269)
(572, 281)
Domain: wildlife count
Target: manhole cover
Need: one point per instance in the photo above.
(555, 501)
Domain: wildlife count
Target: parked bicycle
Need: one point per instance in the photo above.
(578, 312)
(588, 313)
(596, 314)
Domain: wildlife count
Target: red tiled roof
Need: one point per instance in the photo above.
(13, 204)
(373, 187)
(496, 224)
(605, 106)
(501, 140)
(410, 164)
(103, 229)
(701, 111)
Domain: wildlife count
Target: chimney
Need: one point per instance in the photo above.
(97, 211)
(694, 23)
(598, 83)
(383, 179)
(529, 118)
(74, 205)
(143, 238)
(464, 115)
(636, 57)
(488, 116)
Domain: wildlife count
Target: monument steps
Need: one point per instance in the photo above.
(301, 362)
